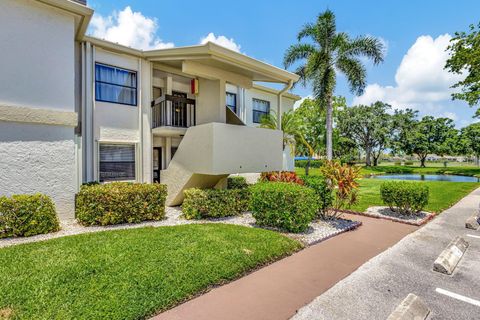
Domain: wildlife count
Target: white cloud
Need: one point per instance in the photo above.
(221, 41)
(298, 103)
(421, 81)
(128, 28)
(451, 115)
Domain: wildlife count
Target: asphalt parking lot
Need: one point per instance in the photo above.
(378, 286)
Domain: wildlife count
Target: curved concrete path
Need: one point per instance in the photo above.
(280, 289)
(374, 290)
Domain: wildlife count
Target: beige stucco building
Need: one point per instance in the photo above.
(75, 109)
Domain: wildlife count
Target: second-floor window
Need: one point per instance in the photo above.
(115, 85)
(260, 108)
(232, 101)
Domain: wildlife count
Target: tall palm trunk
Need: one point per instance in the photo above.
(329, 128)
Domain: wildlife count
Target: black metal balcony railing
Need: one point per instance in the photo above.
(173, 111)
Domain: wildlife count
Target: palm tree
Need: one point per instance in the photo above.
(291, 127)
(328, 53)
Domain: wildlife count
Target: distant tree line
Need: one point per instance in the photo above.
(376, 128)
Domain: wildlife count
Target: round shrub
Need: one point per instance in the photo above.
(323, 191)
(26, 215)
(286, 206)
(214, 203)
(404, 197)
(237, 182)
(120, 202)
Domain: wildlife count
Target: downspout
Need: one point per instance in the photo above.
(140, 118)
(287, 87)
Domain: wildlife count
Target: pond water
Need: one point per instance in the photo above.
(427, 177)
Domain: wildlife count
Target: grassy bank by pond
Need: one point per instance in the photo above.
(384, 169)
(443, 194)
(463, 171)
(129, 274)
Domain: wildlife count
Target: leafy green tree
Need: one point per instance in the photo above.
(465, 59)
(429, 136)
(470, 141)
(327, 53)
(403, 121)
(291, 127)
(311, 117)
(369, 126)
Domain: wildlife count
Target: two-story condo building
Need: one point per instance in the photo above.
(75, 109)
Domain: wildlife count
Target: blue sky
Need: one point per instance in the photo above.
(415, 32)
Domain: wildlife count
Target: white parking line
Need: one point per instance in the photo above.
(458, 297)
(473, 236)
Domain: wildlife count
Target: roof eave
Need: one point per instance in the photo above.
(220, 53)
(206, 51)
(75, 8)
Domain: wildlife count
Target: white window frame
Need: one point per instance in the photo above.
(137, 159)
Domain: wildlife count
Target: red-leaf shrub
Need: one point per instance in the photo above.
(281, 176)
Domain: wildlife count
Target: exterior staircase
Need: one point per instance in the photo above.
(210, 152)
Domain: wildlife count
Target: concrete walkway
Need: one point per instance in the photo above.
(374, 290)
(280, 289)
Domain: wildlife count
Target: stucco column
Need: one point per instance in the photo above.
(146, 121)
(168, 151)
(210, 102)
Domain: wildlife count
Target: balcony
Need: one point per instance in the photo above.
(173, 111)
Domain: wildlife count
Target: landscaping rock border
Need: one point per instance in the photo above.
(376, 215)
(318, 231)
(323, 230)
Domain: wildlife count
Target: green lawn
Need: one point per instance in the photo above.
(382, 169)
(443, 194)
(129, 274)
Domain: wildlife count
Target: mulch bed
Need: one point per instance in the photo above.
(419, 221)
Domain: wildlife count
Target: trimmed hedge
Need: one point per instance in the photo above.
(323, 191)
(286, 206)
(120, 202)
(313, 163)
(237, 182)
(214, 203)
(27, 215)
(404, 197)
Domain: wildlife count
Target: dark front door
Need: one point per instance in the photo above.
(157, 164)
(179, 114)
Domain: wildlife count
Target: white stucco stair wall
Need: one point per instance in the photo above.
(212, 151)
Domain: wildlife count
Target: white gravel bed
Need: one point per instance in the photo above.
(322, 230)
(386, 212)
(319, 230)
